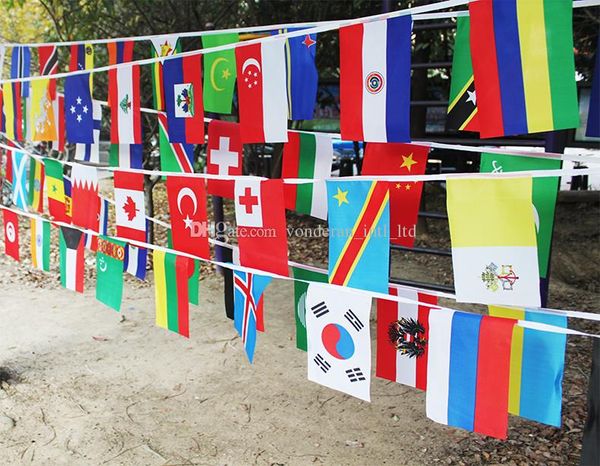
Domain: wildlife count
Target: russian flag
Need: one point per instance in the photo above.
(182, 82)
(468, 371)
(375, 85)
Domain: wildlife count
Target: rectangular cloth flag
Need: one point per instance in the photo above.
(224, 155)
(135, 261)
(120, 51)
(405, 198)
(12, 111)
(537, 363)
(20, 163)
(68, 199)
(82, 58)
(307, 156)
(171, 274)
(109, 272)
(126, 155)
(11, 233)
(359, 241)
(524, 66)
(42, 123)
(130, 205)
(260, 218)
(124, 102)
(468, 371)
(494, 249)
(79, 120)
(91, 241)
(36, 185)
(300, 289)
(375, 85)
(248, 289)
(592, 129)
(219, 73)
(182, 81)
(48, 61)
(262, 94)
(91, 152)
(403, 337)
(174, 156)
(40, 244)
(55, 189)
(84, 196)
(339, 340)
(162, 46)
(20, 67)
(71, 259)
(58, 108)
(462, 106)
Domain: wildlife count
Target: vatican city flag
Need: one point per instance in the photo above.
(494, 250)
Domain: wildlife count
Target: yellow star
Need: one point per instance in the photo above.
(165, 49)
(341, 197)
(226, 73)
(408, 162)
(398, 185)
(407, 187)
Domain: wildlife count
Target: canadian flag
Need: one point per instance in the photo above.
(224, 156)
(124, 102)
(262, 94)
(261, 232)
(130, 207)
(84, 197)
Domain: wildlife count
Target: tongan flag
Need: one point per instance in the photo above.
(375, 80)
(124, 102)
(182, 78)
(130, 205)
(71, 259)
(262, 91)
(79, 120)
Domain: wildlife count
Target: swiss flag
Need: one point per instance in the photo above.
(260, 217)
(85, 203)
(224, 156)
(11, 234)
(405, 197)
(187, 205)
(130, 206)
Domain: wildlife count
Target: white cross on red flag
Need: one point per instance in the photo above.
(224, 156)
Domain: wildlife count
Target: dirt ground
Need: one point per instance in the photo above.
(87, 385)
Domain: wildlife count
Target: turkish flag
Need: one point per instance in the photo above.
(224, 156)
(187, 205)
(11, 234)
(405, 198)
(261, 231)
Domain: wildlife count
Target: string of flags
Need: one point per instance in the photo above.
(475, 369)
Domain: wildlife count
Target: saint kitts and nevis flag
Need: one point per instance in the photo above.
(302, 275)
(162, 46)
(375, 80)
(523, 65)
(219, 73)
(174, 156)
(109, 271)
(307, 156)
(71, 243)
(40, 244)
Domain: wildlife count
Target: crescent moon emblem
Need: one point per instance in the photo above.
(186, 192)
(212, 74)
(102, 265)
(250, 62)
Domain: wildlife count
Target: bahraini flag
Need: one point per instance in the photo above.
(40, 244)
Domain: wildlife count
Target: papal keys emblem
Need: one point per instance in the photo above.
(499, 277)
(408, 337)
(374, 82)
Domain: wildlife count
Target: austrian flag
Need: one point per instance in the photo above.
(129, 205)
(124, 101)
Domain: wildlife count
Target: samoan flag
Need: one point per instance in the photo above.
(79, 115)
(248, 289)
(20, 67)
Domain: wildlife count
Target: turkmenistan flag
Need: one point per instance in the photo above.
(544, 195)
(307, 156)
(109, 271)
(174, 156)
(71, 258)
(462, 106)
(219, 73)
(40, 244)
(36, 185)
(300, 288)
(162, 46)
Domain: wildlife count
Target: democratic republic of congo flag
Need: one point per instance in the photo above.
(524, 66)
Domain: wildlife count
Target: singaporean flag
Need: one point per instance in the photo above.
(262, 91)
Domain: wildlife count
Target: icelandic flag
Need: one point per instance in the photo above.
(375, 86)
(468, 371)
(182, 81)
(247, 290)
(19, 180)
(79, 120)
(124, 102)
(91, 152)
(135, 261)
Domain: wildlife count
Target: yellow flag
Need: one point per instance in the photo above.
(42, 122)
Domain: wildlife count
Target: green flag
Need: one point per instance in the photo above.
(299, 299)
(109, 271)
(544, 195)
(194, 284)
(219, 73)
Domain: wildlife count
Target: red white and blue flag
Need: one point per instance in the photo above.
(135, 261)
(120, 51)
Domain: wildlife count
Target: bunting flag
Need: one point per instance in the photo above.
(124, 102)
(82, 58)
(120, 51)
(135, 261)
(58, 108)
(307, 156)
(174, 156)
(219, 73)
(48, 61)
(468, 371)
(20, 67)
(2, 55)
(126, 155)
(339, 340)
(2, 123)
(405, 198)
(79, 120)
(462, 107)
(162, 46)
(91, 152)
(84, 196)
(71, 259)
(261, 92)
(375, 85)
(537, 363)
(524, 66)
(40, 244)
(20, 195)
(171, 274)
(36, 185)
(248, 290)
(109, 272)
(91, 241)
(359, 242)
(301, 277)
(12, 111)
(194, 282)
(403, 337)
(68, 199)
(592, 129)
(11, 234)
(130, 206)
(55, 189)
(42, 123)
(223, 156)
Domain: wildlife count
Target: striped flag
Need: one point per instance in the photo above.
(124, 102)
(162, 46)
(120, 51)
(174, 156)
(13, 113)
(301, 276)
(91, 241)
(82, 58)
(126, 155)
(48, 60)
(55, 189)
(71, 259)
(135, 261)
(40, 244)
(36, 185)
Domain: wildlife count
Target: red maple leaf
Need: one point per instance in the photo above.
(130, 208)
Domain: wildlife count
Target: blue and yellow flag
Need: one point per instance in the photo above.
(359, 236)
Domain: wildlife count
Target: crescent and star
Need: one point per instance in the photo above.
(183, 193)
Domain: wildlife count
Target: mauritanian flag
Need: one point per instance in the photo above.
(71, 258)
(307, 156)
(494, 248)
(40, 244)
(219, 73)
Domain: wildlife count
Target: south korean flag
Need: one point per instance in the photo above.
(338, 339)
